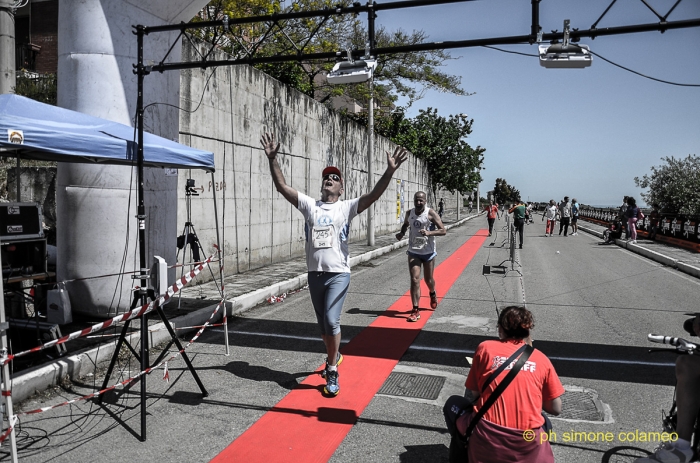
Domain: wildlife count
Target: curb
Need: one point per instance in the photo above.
(42, 377)
(648, 253)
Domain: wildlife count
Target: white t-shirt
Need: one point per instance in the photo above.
(327, 231)
(417, 243)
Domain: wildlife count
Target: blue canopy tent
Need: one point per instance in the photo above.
(33, 130)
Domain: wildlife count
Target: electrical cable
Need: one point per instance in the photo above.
(604, 59)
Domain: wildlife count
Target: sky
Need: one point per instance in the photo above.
(583, 133)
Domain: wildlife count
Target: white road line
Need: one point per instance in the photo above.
(459, 351)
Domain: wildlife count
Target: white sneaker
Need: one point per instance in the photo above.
(668, 454)
(633, 242)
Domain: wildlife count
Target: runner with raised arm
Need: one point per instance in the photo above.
(327, 228)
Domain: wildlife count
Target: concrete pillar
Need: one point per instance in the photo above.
(8, 77)
(96, 205)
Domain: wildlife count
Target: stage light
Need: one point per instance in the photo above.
(560, 56)
(346, 72)
(565, 54)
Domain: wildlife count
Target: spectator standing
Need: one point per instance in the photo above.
(491, 215)
(519, 210)
(574, 217)
(550, 213)
(441, 207)
(565, 215)
(654, 220)
(471, 206)
(632, 216)
(622, 215)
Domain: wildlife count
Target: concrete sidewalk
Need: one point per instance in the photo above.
(198, 301)
(682, 259)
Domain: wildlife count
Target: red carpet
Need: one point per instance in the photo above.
(305, 426)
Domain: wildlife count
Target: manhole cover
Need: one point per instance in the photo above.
(581, 405)
(413, 385)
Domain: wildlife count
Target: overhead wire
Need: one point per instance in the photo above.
(604, 59)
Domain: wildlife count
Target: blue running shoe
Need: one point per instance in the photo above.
(332, 388)
(339, 360)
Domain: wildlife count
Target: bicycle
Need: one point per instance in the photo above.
(669, 421)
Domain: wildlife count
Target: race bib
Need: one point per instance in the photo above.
(419, 242)
(322, 237)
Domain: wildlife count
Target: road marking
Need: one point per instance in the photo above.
(460, 351)
(304, 425)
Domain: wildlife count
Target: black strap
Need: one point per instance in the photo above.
(526, 351)
(502, 367)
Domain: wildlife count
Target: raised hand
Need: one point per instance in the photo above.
(267, 140)
(399, 156)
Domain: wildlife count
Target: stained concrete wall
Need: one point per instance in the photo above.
(225, 111)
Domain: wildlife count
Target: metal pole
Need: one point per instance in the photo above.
(478, 196)
(17, 179)
(8, 76)
(141, 217)
(459, 204)
(370, 127)
(220, 250)
(370, 168)
(6, 387)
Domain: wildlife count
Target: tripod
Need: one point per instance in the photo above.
(189, 235)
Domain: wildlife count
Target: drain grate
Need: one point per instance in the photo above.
(413, 385)
(581, 405)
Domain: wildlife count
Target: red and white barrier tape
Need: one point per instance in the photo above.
(146, 308)
(12, 421)
(147, 371)
(283, 296)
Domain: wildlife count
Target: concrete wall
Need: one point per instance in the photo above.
(258, 226)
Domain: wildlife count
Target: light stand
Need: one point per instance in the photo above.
(142, 293)
(189, 234)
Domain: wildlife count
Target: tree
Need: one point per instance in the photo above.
(504, 193)
(675, 186)
(396, 74)
(40, 88)
(440, 141)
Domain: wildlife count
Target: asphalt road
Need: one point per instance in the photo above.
(593, 306)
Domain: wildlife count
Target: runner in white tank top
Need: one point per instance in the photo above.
(424, 224)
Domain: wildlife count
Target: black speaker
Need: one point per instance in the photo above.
(23, 258)
(21, 221)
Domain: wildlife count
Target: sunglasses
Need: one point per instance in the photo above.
(334, 177)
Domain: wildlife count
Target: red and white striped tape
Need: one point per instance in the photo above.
(143, 310)
(283, 296)
(8, 431)
(136, 376)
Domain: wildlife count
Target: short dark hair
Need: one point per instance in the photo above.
(516, 322)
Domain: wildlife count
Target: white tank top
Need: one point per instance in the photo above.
(417, 243)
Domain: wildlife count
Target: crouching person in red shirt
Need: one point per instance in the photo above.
(510, 425)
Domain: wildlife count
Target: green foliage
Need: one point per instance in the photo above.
(452, 163)
(42, 88)
(504, 193)
(397, 75)
(674, 186)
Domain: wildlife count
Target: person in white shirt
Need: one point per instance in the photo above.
(423, 225)
(550, 213)
(327, 227)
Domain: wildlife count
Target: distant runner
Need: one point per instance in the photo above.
(423, 225)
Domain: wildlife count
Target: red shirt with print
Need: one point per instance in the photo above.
(492, 211)
(520, 404)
